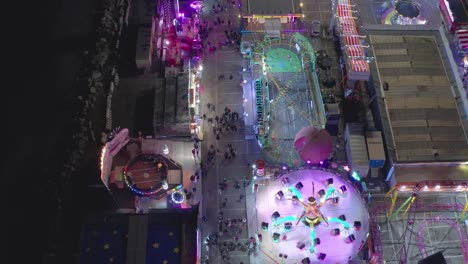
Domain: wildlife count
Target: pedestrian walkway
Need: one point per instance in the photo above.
(228, 175)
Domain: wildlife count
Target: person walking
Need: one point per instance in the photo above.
(435, 152)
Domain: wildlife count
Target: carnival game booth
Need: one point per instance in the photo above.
(354, 54)
(454, 13)
(461, 41)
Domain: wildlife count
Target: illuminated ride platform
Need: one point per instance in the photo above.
(404, 12)
(287, 94)
(331, 227)
(146, 174)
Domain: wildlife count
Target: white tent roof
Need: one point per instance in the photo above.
(272, 27)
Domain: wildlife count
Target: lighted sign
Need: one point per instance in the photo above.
(448, 10)
(118, 142)
(356, 176)
(177, 197)
(109, 150)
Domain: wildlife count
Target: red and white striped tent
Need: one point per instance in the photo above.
(352, 40)
(354, 51)
(353, 46)
(347, 25)
(462, 37)
(358, 68)
(344, 2)
(344, 11)
(359, 65)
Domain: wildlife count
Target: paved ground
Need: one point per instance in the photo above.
(225, 93)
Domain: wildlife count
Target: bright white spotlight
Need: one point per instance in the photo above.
(165, 186)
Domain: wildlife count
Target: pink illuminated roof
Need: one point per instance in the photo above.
(344, 11)
(347, 25)
(462, 36)
(359, 65)
(352, 43)
(352, 40)
(355, 51)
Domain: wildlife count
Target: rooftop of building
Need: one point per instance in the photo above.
(419, 114)
(162, 235)
(271, 8)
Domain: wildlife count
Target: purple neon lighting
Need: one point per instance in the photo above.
(374, 227)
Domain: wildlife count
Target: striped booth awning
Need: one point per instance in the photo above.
(462, 37)
(344, 2)
(352, 40)
(354, 51)
(344, 11)
(347, 25)
(359, 65)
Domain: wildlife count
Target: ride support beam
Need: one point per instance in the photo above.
(401, 207)
(393, 194)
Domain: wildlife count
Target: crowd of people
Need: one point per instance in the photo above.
(224, 123)
(232, 228)
(227, 239)
(207, 26)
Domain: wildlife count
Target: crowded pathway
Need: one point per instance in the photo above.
(226, 154)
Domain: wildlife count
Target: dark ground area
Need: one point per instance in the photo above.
(143, 117)
(44, 58)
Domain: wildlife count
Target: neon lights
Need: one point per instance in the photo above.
(356, 176)
(296, 192)
(103, 154)
(449, 11)
(312, 238)
(337, 220)
(364, 187)
(328, 193)
(285, 219)
(157, 162)
(177, 197)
